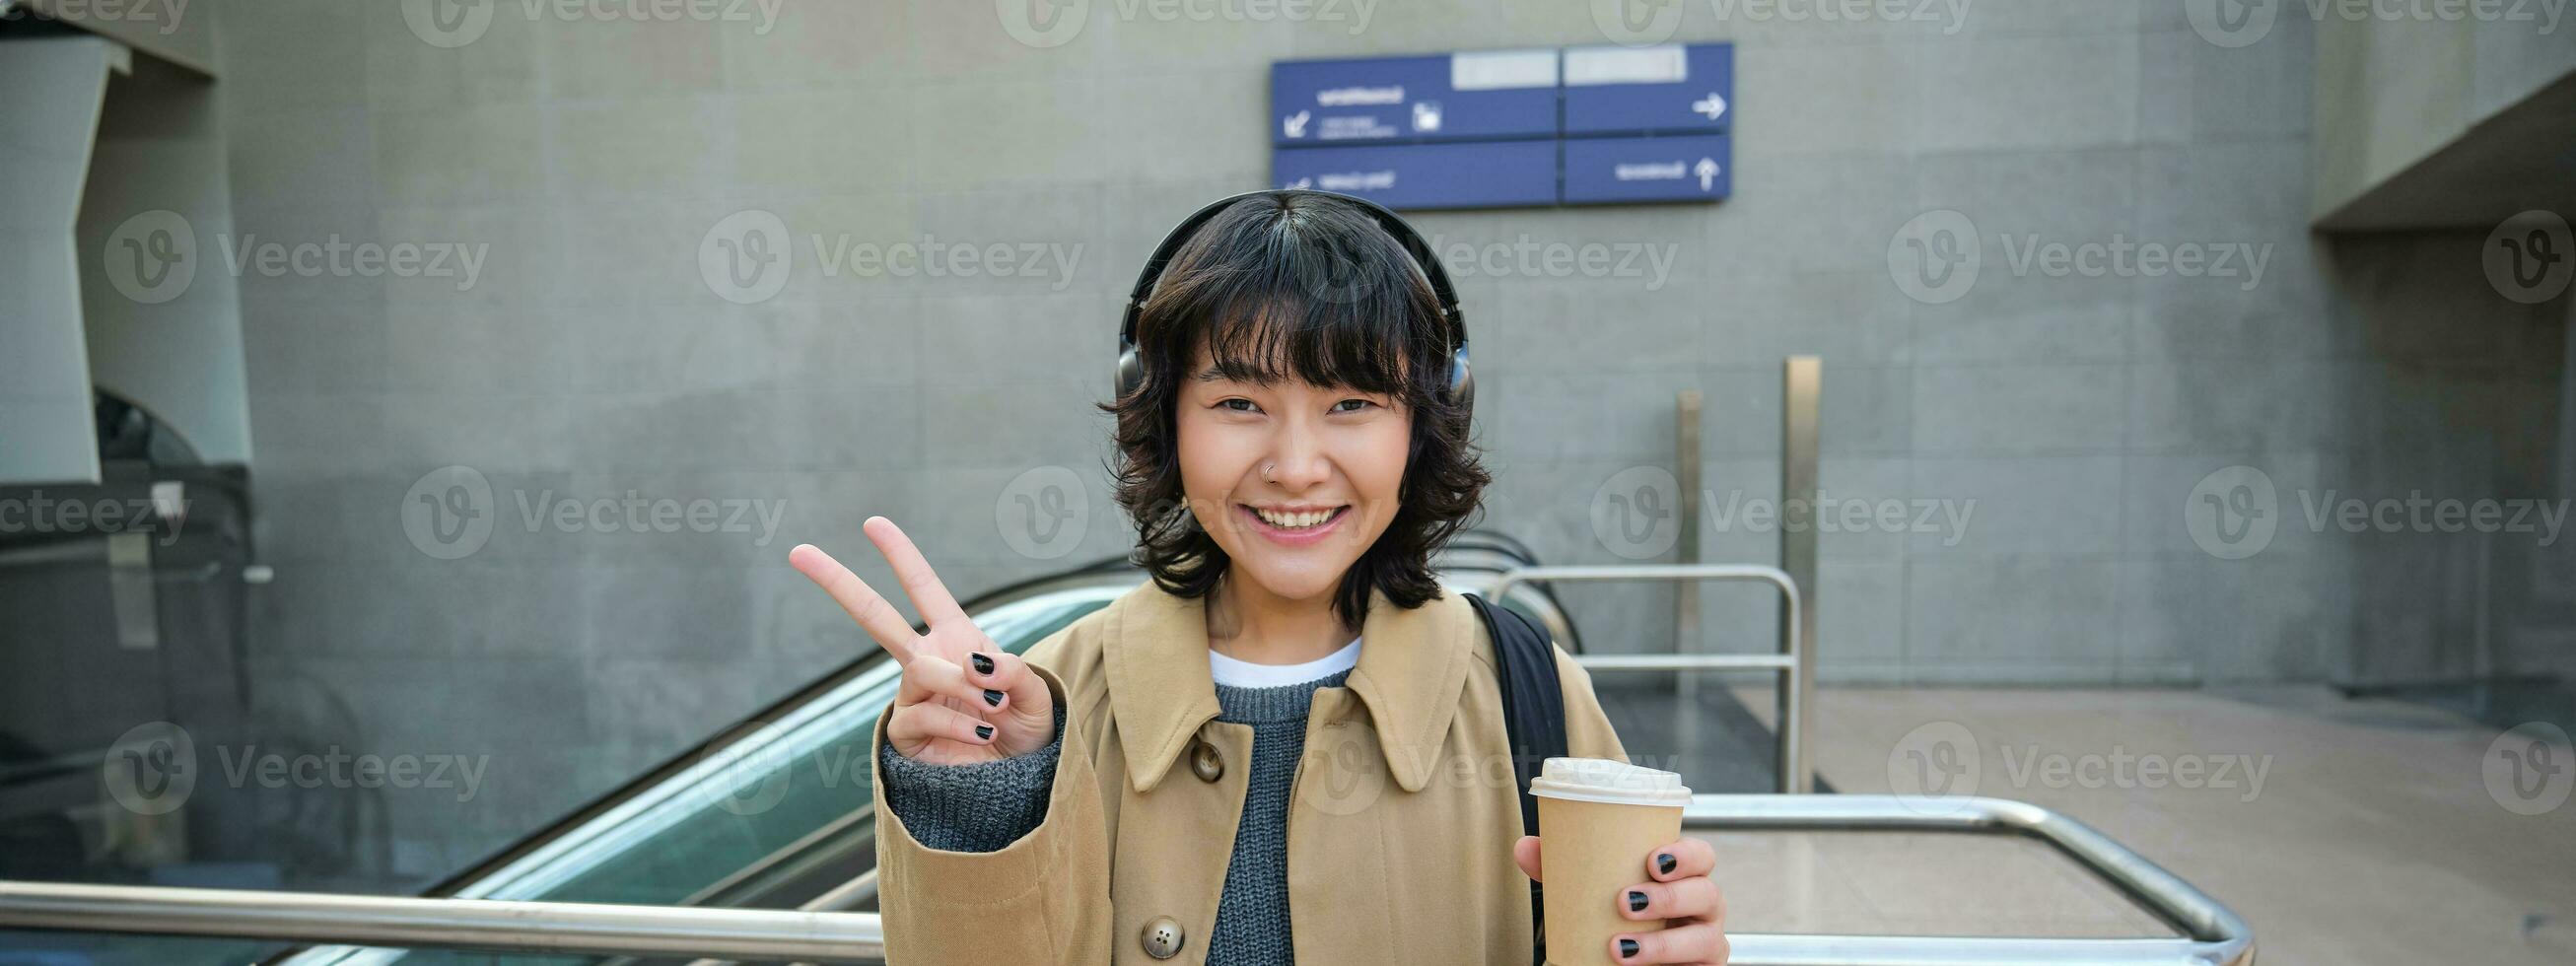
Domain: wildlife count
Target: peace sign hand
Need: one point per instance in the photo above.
(963, 700)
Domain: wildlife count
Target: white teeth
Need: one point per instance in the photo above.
(1293, 521)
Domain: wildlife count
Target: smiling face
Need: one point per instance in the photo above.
(1292, 480)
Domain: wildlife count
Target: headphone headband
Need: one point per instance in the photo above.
(1461, 381)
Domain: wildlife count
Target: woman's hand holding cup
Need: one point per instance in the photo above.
(963, 700)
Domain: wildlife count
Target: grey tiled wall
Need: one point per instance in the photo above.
(591, 358)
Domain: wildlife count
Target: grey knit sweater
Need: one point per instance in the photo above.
(983, 807)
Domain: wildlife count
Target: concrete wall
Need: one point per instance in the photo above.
(603, 164)
(44, 361)
(2395, 92)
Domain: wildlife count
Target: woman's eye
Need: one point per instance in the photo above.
(1351, 405)
(1239, 405)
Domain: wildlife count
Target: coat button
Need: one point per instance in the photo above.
(1162, 938)
(1205, 762)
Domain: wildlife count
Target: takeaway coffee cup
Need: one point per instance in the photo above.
(1598, 819)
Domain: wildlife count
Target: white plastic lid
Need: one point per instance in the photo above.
(1605, 780)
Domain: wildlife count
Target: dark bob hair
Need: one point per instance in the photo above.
(1307, 287)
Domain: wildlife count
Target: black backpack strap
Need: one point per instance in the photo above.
(1533, 714)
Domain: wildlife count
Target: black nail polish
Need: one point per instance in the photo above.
(1627, 949)
(992, 697)
(1664, 863)
(983, 731)
(983, 665)
(1636, 901)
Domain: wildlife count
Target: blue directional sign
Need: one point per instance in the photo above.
(1486, 95)
(1608, 170)
(1499, 174)
(1675, 88)
(1509, 128)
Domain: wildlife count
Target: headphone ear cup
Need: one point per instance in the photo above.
(1131, 371)
(1462, 382)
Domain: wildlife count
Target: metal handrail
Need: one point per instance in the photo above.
(1795, 776)
(2211, 934)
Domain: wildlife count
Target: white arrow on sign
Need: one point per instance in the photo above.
(1294, 125)
(1713, 105)
(1707, 172)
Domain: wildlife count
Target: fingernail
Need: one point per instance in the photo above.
(983, 665)
(1627, 949)
(983, 731)
(992, 697)
(1664, 863)
(1636, 901)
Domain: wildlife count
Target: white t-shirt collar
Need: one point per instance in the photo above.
(1236, 673)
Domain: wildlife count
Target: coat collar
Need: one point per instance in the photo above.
(1412, 665)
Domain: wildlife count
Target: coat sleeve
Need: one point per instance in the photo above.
(1043, 898)
(1588, 733)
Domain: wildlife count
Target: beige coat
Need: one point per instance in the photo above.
(1400, 827)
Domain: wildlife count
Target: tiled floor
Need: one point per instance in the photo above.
(2370, 838)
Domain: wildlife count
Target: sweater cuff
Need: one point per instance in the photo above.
(980, 807)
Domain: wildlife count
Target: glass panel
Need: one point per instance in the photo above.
(769, 821)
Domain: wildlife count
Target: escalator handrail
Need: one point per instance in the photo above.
(2211, 934)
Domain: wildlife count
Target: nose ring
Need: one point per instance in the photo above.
(1266, 472)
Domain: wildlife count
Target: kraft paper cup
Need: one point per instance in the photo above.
(1598, 819)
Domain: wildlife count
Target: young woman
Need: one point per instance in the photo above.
(1288, 746)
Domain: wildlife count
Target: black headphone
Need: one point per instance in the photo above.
(1462, 379)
